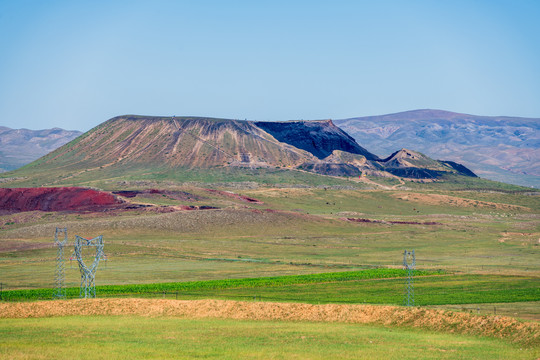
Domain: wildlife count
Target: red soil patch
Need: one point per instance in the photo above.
(57, 199)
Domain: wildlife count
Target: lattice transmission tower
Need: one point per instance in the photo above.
(409, 263)
(88, 273)
(60, 273)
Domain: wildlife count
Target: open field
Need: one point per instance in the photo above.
(485, 242)
(293, 231)
(250, 329)
(516, 296)
(134, 337)
(214, 287)
(235, 241)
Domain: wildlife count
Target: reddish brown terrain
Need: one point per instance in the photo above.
(58, 199)
(89, 200)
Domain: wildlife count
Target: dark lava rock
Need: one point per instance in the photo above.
(320, 138)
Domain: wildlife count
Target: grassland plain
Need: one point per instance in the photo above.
(294, 230)
(216, 286)
(512, 295)
(135, 337)
(486, 239)
(522, 337)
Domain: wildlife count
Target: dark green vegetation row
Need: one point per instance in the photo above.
(212, 285)
(374, 286)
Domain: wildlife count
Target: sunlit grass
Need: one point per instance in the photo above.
(107, 337)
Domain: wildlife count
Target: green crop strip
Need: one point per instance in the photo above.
(211, 285)
(373, 286)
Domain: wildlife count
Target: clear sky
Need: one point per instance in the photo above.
(75, 64)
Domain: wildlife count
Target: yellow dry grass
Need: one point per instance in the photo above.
(527, 333)
(437, 199)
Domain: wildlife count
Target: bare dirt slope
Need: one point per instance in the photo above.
(130, 140)
(446, 200)
(57, 199)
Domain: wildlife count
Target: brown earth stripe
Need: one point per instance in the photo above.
(527, 333)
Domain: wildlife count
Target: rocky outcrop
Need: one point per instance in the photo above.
(412, 164)
(320, 138)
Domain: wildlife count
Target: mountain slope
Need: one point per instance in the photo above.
(320, 138)
(128, 145)
(412, 164)
(18, 147)
(500, 148)
(173, 142)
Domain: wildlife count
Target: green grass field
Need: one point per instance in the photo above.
(519, 294)
(486, 243)
(380, 286)
(129, 337)
(213, 288)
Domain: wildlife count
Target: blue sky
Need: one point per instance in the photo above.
(75, 64)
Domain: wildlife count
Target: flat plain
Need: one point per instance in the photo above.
(482, 245)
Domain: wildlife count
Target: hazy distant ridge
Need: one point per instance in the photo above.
(501, 148)
(19, 147)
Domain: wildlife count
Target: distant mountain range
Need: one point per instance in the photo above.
(19, 147)
(501, 148)
(505, 149)
(131, 144)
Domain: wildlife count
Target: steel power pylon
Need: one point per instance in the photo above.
(60, 273)
(409, 263)
(88, 273)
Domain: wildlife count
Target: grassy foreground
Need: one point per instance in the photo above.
(130, 337)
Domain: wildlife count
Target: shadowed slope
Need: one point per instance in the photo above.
(320, 138)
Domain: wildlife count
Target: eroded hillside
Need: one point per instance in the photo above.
(146, 146)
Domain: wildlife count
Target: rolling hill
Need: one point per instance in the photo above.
(500, 148)
(18, 147)
(130, 144)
